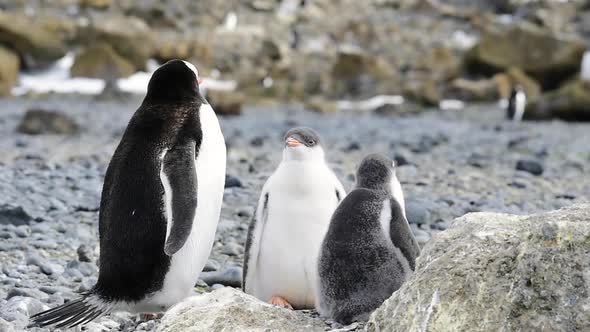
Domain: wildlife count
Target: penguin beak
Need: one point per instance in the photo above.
(291, 142)
(199, 81)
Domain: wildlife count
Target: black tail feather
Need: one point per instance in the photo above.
(73, 313)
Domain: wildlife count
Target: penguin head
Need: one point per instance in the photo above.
(376, 172)
(173, 82)
(302, 144)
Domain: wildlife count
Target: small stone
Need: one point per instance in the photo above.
(232, 182)
(36, 260)
(400, 159)
(353, 146)
(216, 286)
(22, 231)
(242, 213)
(231, 276)
(14, 215)
(226, 102)
(39, 121)
(531, 166)
(211, 265)
(417, 213)
(83, 253)
(321, 105)
(26, 292)
(231, 249)
(517, 184)
(257, 141)
(18, 309)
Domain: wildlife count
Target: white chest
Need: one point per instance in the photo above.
(301, 202)
(188, 262)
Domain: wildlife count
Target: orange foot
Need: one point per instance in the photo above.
(281, 302)
(149, 316)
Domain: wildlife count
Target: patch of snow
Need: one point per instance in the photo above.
(267, 82)
(463, 40)
(371, 103)
(57, 79)
(451, 104)
(231, 21)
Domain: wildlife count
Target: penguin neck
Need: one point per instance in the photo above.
(304, 154)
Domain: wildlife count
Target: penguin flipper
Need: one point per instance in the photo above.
(253, 238)
(402, 236)
(179, 168)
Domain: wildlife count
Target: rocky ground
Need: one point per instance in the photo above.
(451, 163)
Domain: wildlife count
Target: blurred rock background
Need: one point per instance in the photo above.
(425, 50)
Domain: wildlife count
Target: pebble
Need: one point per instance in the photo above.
(531, 166)
(245, 212)
(83, 253)
(231, 276)
(416, 212)
(400, 159)
(353, 146)
(26, 292)
(216, 287)
(22, 231)
(18, 309)
(232, 182)
(211, 265)
(232, 249)
(15, 215)
(35, 259)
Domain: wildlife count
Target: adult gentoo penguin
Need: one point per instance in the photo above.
(293, 213)
(516, 104)
(160, 203)
(369, 250)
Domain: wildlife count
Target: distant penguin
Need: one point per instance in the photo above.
(369, 250)
(160, 203)
(516, 104)
(293, 213)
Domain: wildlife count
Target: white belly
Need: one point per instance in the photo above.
(188, 262)
(301, 203)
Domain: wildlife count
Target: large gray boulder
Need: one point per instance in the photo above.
(546, 56)
(36, 44)
(229, 309)
(499, 272)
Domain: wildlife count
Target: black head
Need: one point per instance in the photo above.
(375, 172)
(175, 81)
(302, 135)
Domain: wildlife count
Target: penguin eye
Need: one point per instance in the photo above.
(310, 142)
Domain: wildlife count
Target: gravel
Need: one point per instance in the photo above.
(450, 163)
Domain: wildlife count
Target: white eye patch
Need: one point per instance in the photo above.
(192, 67)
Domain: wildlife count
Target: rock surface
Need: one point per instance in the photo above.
(34, 43)
(101, 61)
(228, 309)
(129, 36)
(39, 121)
(9, 65)
(226, 102)
(498, 272)
(531, 49)
(569, 102)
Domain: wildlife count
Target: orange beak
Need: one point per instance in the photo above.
(199, 81)
(291, 142)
